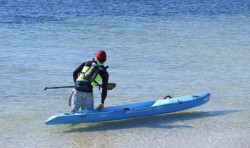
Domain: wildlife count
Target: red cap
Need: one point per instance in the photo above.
(101, 55)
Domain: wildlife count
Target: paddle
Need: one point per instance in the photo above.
(110, 86)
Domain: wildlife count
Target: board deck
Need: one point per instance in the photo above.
(131, 110)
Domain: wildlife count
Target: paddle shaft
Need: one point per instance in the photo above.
(110, 86)
(58, 87)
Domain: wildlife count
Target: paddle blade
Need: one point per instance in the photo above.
(111, 86)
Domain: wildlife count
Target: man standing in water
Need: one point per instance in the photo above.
(91, 72)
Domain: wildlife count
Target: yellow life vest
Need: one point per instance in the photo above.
(91, 73)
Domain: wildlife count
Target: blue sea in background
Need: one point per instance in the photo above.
(154, 48)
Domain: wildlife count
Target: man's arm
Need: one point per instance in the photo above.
(77, 70)
(105, 77)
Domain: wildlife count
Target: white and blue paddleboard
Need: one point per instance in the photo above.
(131, 110)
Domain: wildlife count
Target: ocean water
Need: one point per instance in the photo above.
(154, 49)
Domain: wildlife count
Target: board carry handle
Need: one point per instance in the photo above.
(168, 97)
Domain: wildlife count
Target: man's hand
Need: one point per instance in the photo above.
(100, 107)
